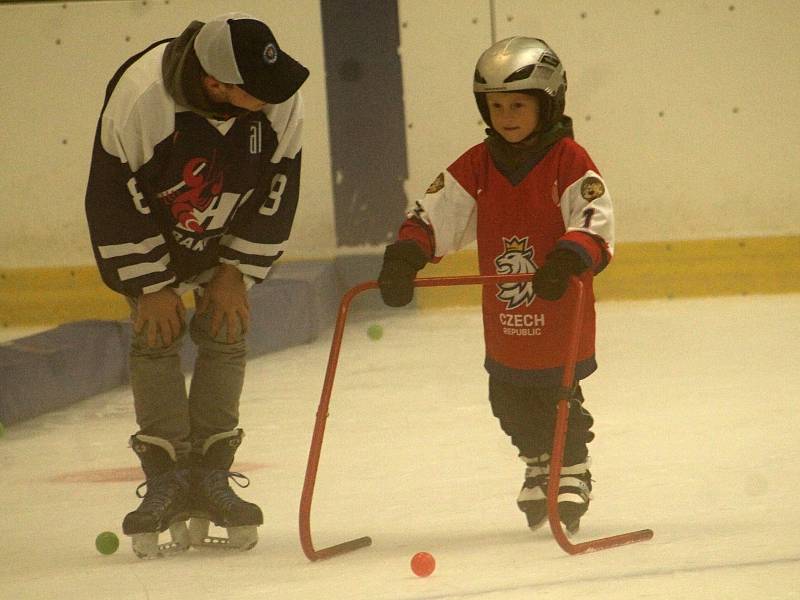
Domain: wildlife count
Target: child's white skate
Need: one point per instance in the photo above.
(574, 493)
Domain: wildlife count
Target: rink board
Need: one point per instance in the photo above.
(81, 358)
(55, 368)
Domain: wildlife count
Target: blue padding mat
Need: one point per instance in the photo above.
(53, 369)
(56, 368)
(354, 269)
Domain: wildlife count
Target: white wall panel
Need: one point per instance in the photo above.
(689, 108)
(55, 61)
(439, 44)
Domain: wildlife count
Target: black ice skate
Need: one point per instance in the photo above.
(213, 500)
(574, 493)
(165, 502)
(532, 499)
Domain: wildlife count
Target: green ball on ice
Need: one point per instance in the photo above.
(375, 331)
(106, 542)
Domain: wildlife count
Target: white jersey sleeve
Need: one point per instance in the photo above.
(586, 207)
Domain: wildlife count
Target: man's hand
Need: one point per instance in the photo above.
(225, 297)
(161, 312)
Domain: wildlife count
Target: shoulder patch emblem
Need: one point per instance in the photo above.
(437, 184)
(592, 188)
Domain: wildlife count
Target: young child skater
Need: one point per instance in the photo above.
(536, 203)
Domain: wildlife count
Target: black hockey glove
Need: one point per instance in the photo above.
(401, 261)
(551, 280)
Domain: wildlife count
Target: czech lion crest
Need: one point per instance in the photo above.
(517, 257)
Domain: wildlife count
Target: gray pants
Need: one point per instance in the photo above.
(163, 408)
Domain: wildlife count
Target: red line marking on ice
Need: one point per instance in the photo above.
(129, 474)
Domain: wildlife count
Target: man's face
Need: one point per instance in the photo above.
(238, 97)
(232, 94)
(514, 115)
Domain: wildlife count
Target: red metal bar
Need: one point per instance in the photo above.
(322, 411)
(559, 440)
(558, 446)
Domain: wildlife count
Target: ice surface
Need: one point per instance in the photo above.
(696, 410)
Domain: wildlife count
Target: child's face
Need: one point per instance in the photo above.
(514, 115)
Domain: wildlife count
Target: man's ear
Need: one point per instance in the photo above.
(210, 83)
(214, 88)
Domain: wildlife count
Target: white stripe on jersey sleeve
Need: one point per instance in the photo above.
(143, 247)
(452, 214)
(143, 268)
(157, 286)
(286, 119)
(245, 247)
(595, 217)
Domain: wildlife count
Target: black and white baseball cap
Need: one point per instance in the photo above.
(239, 49)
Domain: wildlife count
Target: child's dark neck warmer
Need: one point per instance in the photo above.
(516, 160)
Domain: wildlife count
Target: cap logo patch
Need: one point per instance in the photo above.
(270, 54)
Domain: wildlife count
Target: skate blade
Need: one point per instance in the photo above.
(146, 546)
(239, 538)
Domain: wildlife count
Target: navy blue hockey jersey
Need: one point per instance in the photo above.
(171, 193)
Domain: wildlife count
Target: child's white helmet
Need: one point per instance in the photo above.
(519, 64)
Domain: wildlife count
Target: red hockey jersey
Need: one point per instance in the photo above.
(561, 202)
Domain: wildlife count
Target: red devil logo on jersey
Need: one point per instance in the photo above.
(202, 182)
